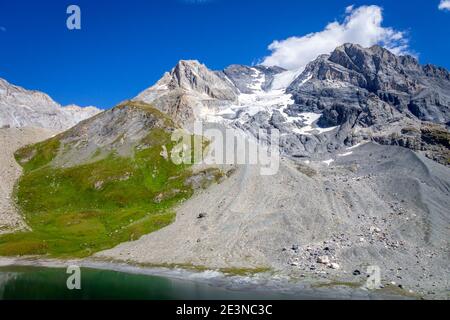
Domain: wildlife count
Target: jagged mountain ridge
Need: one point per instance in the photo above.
(373, 94)
(421, 91)
(242, 76)
(26, 108)
(340, 99)
(189, 91)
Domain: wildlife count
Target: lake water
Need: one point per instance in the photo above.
(50, 283)
(44, 283)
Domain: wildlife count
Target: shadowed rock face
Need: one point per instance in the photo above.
(243, 77)
(376, 91)
(351, 74)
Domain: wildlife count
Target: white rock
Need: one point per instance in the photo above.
(334, 265)
(375, 229)
(323, 260)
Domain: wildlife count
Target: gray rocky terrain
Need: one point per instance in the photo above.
(25, 108)
(12, 139)
(372, 94)
(358, 186)
(364, 177)
(380, 205)
(243, 76)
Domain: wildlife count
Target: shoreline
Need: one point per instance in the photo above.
(259, 283)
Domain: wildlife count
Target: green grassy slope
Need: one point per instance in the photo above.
(76, 211)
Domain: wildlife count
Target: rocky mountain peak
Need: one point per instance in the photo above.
(187, 73)
(433, 71)
(191, 75)
(372, 60)
(10, 93)
(353, 93)
(189, 90)
(374, 89)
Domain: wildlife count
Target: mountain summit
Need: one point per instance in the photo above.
(351, 95)
(189, 91)
(372, 94)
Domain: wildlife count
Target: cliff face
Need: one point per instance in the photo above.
(372, 94)
(400, 81)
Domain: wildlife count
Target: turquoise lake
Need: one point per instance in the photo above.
(50, 283)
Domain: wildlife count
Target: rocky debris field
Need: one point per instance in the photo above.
(379, 206)
(12, 139)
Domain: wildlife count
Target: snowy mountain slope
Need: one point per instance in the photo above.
(357, 204)
(235, 96)
(258, 98)
(352, 95)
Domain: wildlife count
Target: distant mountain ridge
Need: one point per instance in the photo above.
(20, 107)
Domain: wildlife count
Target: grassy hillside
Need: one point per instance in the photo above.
(78, 210)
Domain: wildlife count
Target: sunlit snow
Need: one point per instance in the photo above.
(276, 98)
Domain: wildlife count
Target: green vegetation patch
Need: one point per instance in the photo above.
(38, 155)
(245, 271)
(76, 211)
(354, 285)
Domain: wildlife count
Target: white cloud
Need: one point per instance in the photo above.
(361, 25)
(349, 9)
(444, 5)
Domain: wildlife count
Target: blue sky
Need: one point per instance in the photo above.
(125, 46)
